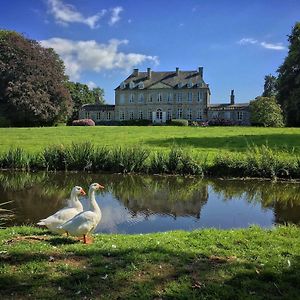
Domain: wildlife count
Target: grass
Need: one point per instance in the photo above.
(205, 264)
(209, 140)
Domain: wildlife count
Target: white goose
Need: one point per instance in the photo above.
(86, 221)
(65, 214)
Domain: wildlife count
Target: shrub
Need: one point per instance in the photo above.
(83, 122)
(135, 122)
(15, 158)
(158, 163)
(221, 122)
(55, 157)
(179, 122)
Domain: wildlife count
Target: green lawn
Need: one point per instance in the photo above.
(203, 264)
(210, 139)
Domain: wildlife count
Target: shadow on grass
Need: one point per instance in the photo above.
(147, 273)
(237, 142)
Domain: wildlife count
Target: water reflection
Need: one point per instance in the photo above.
(138, 204)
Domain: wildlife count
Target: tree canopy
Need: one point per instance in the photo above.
(32, 82)
(270, 86)
(289, 80)
(82, 94)
(265, 111)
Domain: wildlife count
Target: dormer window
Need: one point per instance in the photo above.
(190, 84)
(131, 85)
(141, 85)
(180, 85)
(123, 85)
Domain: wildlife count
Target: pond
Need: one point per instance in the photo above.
(143, 204)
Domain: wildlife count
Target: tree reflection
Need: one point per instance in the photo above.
(37, 195)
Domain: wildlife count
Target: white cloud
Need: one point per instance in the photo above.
(91, 84)
(80, 56)
(66, 13)
(245, 41)
(115, 15)
(251, 41)
(278, 46)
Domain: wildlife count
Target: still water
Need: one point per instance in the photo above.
(142, 204)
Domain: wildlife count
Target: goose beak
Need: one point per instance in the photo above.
(82, 192)
(100, 187)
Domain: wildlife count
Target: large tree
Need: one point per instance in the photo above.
(32, 82)
(265, 111)
(270, 86)
(289, 80)
(82, 94)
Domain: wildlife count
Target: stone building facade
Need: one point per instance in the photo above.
(162, 96)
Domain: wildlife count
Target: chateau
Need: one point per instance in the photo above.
(162, 96)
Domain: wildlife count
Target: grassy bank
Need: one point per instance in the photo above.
(210, 140)
(256, 161)
(204, 264)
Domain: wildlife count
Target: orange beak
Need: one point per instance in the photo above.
(100, 186)
(82, 192)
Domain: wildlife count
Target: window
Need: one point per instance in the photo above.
(190, 96)
(122, 98)
(179, 97)
(159, 114)
(87, 114)
(169, 114)
(149, 115)
(141, 85)
(122, 115)
(140, 114)
(189, 114)
(199, 115)
(179, 113)
(200, 96)
(180, 85)
(159, 97)
(240, 115)
(141, 97)
(150, 99)
(131, 84)
(108, 115)
(98, 116)
(170, 96)
(123, 85)
(131, 98)
(131, 115)
(190, 84)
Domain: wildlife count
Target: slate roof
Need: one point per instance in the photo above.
(169, 78)
(97, 107)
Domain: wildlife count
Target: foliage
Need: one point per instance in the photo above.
(289, 80)
(179, 122)
(32, 85)
(203, 264)
(221, 122)
(83, 122)
(270, 86)
(82, 94)
(135, 123)
(265, 111)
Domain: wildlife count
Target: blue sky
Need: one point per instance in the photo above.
(237, 42)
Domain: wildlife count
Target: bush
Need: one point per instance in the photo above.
(179, 122)
(221, 122)
(83, 122)
(136, 122)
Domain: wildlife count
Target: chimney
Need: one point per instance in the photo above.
(135, 72)
(177, 71)
(200, 71)
(149, 73)
(232, 97)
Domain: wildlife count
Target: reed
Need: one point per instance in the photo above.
(256, 161)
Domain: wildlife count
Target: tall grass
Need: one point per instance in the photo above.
(256, 161)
